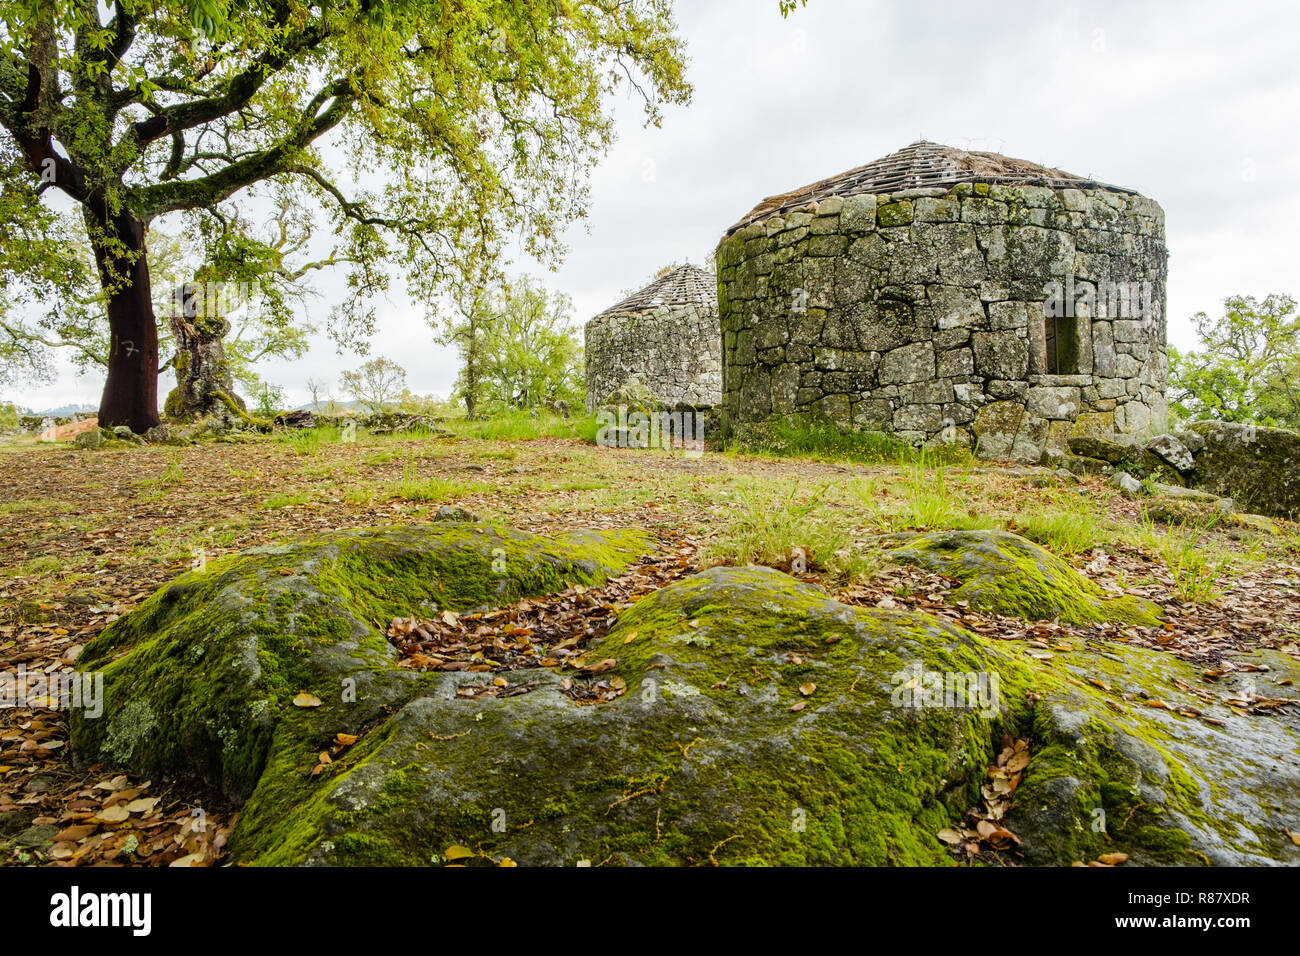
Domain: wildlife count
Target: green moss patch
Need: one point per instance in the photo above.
(1006, 574)
(200, 676)
(759, 726)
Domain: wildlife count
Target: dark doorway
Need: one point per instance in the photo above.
(1062, 337)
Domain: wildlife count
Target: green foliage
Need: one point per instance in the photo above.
(430, 406)
(485, 117)
(268, 399)
(519, 348)
(1248, 367)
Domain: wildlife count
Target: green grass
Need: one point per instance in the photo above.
(286, 500)
(521, 426)
(825, 442)
(307, 441)
(412, 487)
(174, 473)
(45, 564)
(1195, 572)
(362, 497)
(932, 501)
(42, 505)
(492, 453)
(418, 433)
(1067, 526)
(781, 525)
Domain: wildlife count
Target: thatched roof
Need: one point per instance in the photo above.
(685, 285)
(923, 164)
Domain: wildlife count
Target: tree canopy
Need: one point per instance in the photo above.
(1248, 368)
(456, 126)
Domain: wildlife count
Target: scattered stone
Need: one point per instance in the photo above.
(453, 513)
(1081, 465)
(1259, 468)
(1172, 451)
(298, 418)
(123, 433)
(1128, 486)
(1115, 449)
(92, 439)
(1178, 491)
(1192, 441)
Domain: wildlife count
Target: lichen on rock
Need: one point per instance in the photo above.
(1259, 468)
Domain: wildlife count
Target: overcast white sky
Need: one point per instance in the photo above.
(1194, 104)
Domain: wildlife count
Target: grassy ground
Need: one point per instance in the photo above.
(85, 536)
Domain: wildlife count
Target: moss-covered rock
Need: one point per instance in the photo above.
(1258, 468)
(1007, 574)
(199, 679)
(1123, 761)
(1109, 448)
(762, 723)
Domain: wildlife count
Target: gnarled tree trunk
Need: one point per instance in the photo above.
(204, 384)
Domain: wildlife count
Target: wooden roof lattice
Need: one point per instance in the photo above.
(685, 285)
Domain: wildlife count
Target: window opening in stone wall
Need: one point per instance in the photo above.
(1061, 334)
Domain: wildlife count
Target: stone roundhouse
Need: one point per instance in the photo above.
(945, 295)
(665, 337)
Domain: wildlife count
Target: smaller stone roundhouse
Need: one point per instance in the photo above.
(945, 295)
(666, 337)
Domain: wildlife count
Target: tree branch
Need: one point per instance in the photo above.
(150, 201)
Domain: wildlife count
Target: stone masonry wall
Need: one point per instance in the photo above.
(922, 313)
(675, 351)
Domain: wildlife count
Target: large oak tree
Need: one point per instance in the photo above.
(453, 127)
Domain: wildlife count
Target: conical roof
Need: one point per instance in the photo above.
(685, 285)
(923, 164)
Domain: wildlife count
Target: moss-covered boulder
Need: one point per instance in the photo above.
(1125, 760)
(1006, 574)
(1258, 468)
(761, 723)
(745, 718)
(1124, 453)
(199, 679)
